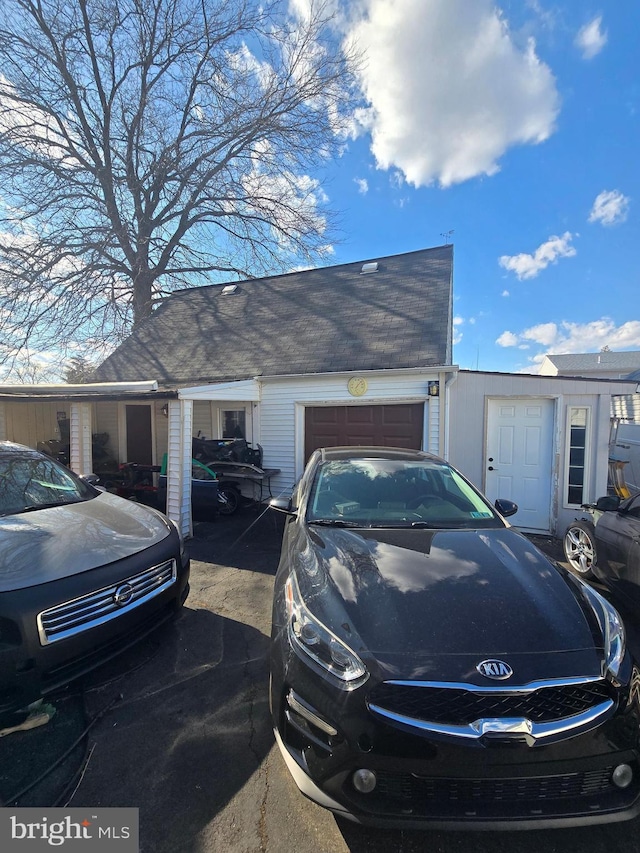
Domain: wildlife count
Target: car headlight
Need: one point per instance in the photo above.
(612, 629)
(309, 636)
(183, 544)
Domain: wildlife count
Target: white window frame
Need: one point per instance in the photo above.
(588, 440)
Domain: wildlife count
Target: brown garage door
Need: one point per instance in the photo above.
(393, 426)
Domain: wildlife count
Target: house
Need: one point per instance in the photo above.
(356, 353)
(598, 365)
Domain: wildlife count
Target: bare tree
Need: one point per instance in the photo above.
(149, 145)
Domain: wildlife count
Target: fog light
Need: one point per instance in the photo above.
(364, 781)
(622, 776)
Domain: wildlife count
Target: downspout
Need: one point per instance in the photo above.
(446, 415)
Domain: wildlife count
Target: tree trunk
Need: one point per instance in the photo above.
(142, 296)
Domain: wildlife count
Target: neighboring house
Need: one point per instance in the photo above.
(593, 365)
(352, 354)
(602, 365)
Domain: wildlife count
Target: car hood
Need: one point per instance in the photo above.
(411, 598)
(45, 545)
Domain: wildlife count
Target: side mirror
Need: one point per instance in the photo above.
(505, 507)
(283, 505)
(608, 503)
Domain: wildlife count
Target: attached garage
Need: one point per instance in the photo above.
(382, 425)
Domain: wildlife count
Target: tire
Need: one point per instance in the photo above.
(233, 500)
(579, 545)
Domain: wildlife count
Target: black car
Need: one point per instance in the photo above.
(209, 495)
(84, 574)
(605, 544)
(430, 666)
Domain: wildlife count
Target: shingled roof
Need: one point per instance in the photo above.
(332, 319)
(621, 361)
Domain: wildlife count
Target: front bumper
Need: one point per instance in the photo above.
(31, 666)
(426, 780)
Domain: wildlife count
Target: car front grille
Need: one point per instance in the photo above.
(81, 614)
(469, 791)
(459, 707)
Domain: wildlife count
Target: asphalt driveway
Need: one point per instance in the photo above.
(179, 727)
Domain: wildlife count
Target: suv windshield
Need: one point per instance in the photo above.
(32, 482)
(393, 493)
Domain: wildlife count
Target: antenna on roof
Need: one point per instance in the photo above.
(447, 236)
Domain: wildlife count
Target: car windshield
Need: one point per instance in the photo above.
(396, 493)
(31, 482)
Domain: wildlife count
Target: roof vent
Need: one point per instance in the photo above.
(367, 268)
(229, 289)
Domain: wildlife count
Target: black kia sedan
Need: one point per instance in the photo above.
(84, 574)
(430, 667)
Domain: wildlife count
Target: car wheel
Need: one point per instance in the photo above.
(580, 547)
(233, 500)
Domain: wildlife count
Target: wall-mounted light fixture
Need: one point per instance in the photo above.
(433, 389)
(165, 410)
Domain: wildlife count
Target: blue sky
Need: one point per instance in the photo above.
(510, 129)
(516, 127)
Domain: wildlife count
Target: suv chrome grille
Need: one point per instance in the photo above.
(96, 608)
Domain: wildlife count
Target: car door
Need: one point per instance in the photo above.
(618, 546)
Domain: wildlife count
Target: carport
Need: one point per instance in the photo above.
(30, 414)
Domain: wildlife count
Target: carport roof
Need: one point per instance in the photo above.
(393, 313)
(90, 392)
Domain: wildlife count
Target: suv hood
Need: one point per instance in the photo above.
(47, 544)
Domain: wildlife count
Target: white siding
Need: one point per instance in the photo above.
(468, 426)
(282, 413)
(179, 464)
(80, 438)
(626, 407)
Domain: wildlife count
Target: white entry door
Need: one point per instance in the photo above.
(519, 458)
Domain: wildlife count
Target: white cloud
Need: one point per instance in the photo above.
(529, 266)
(448, 87)
(506, 293)
(591, 39)
(457, 331)
(363, 185)
(575, 337)
(610, 208)
(507, 339)
(33, 129)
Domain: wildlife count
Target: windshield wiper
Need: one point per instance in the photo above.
(335, 522)
(49, 505)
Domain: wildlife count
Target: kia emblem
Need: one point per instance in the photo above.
(496, 669)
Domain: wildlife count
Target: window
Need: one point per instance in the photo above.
(578, 438)
(233, 423)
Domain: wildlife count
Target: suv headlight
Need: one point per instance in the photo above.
(315, 641)
(183, 544)
(612, 629)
